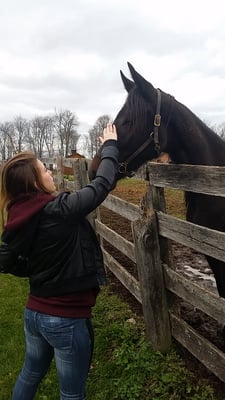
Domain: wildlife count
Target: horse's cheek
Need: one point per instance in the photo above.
(91, 175)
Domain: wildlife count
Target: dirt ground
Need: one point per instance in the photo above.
(192, 264)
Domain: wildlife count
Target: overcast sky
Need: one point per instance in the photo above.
(67, 54)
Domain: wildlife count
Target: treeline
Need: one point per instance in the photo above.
(49, 135)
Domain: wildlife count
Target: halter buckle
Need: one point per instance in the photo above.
(123, 168)
(157, 120)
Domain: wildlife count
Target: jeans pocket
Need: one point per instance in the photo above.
(57, 331)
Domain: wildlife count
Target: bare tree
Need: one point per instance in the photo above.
(84, 145)
(36, 135)
(217, 128)
(20, 129)
(7, 140)
(220, 130)
(50, 135)
(66, 123)
(95, 132)
(40, 134)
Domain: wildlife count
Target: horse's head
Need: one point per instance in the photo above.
(140, 124)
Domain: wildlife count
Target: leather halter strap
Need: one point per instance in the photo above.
(153, 137)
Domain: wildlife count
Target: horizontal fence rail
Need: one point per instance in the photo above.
(191, 178)
(202, 239)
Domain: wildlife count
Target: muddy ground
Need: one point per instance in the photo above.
(192, 264)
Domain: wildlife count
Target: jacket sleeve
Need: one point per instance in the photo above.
(81, 203)
(10, 263)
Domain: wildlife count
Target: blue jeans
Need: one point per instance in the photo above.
(69, 340)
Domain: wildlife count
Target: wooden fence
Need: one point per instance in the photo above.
(151, 229)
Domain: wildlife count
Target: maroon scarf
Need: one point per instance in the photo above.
(24, 207)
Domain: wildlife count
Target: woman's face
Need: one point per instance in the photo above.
(46, 177)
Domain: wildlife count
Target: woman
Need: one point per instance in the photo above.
(52, 236)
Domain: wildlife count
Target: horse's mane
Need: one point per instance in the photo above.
(187, 117)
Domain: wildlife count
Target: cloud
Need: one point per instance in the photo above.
(68, 54)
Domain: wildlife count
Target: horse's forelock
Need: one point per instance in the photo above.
(137, 109)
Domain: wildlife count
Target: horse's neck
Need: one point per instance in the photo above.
(196, 144)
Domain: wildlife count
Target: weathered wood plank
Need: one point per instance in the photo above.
(116, 240)
(199, 297)
(153, 293)
(122, 207)
(59, 176)
(205, 240)
(192, 178)
(159, 204)
(68, 162)
(68, 185)
(80, 173)
(201, 348)
(127, 280)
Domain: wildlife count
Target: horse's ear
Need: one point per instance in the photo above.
(145, 87)
(128, 84)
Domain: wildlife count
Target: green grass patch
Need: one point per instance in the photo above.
(124, 364)
(126, 368)
(69, 177)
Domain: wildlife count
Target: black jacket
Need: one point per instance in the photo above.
(65, 255)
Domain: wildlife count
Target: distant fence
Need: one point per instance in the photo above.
(151, 228)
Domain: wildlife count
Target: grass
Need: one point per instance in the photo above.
(124, 364)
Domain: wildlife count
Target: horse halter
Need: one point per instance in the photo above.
(153, 137)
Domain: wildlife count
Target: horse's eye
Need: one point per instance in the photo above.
(125, 123)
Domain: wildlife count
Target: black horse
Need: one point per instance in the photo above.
(152, 122)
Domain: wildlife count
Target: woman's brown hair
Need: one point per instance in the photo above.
(19, 175)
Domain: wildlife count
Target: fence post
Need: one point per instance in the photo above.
(59, 167)
(159, 204)
(79, 173)
(149, 265)
(80, 167)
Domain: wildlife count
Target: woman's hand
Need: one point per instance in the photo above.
(108, 133)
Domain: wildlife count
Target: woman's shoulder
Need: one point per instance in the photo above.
(60, 205)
